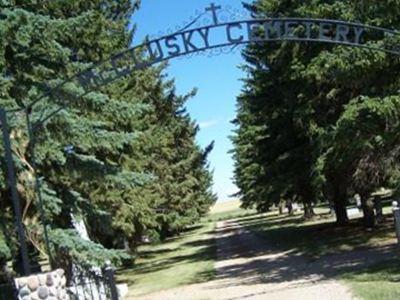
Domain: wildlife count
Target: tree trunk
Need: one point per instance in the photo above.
(378, 210)
(331, 207)
(338, 197)
(289, 206)
(280, 206)
(308, 210)
(341, 212)
(368, 211)
(308, 197)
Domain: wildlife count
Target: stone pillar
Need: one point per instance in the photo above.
(47, 286)
(396, 214)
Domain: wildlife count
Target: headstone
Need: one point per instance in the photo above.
(353, 212)
(358, 200)
(80, 227)
(396, 213)
(80, 283)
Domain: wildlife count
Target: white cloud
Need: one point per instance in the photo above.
(208, 124)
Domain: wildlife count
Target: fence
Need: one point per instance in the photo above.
(94, 284)
(8, 291)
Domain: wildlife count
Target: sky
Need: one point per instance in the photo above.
(216, 78)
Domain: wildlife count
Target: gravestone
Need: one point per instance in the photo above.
(83, 285)
(353, 212)
(396, 213)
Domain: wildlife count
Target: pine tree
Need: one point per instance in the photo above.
(98, 157)
(293, 102)
(47, 42)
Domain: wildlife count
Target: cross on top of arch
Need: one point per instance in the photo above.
(213, 9)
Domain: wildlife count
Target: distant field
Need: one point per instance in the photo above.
(227, 210)
(220, 207)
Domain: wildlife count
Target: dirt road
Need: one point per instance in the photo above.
(249, 269)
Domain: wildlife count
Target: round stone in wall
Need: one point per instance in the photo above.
(53, 291)
(34, 296)
(33, 283)
(42, 279)
(49, 280)
(21, 282)
(43, 292)
(24, 292)
(63, 281)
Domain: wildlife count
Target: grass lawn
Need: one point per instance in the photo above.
(189, 258)
(319, 236)
(380, 282)
(184, 260)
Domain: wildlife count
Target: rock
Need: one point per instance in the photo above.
(42, 279)
(62, 294)
(61, 272)
(49, 281)
(56, 279)
(63, 282)
(122, 290)
(26, 298)
(21, 282)
(33, 283)
(56, 276)
(53, 291)
(52, 298)
(24, 292)
(43, 292)
(34, 296)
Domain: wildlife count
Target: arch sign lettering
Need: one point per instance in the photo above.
(222, 34)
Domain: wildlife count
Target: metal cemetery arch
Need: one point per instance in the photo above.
(199, 39)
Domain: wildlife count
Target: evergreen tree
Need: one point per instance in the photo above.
(295, 101)
(122, 158)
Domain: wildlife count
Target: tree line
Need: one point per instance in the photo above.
(122, 158)
(318, 122)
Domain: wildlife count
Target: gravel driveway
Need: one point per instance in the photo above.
(248, 269)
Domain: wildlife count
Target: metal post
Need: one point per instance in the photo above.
(110, 277)
(37, 186)
(14, 193)
(396, 214)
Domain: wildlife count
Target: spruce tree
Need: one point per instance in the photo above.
(96, 158)
(295, 98)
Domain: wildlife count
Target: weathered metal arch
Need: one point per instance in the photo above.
(189, 41)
